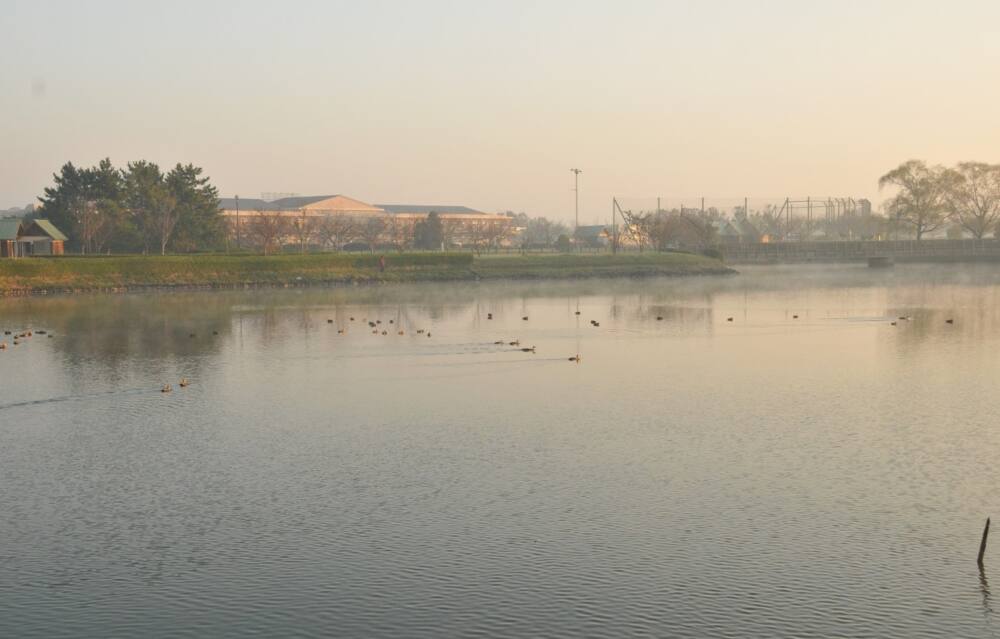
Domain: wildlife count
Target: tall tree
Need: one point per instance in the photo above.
(62, 202)
(428, 233)
(920, 200)
(973, 196)
(199, 223)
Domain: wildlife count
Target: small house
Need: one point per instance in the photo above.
(23, 238)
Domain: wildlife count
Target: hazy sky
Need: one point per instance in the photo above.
(489, 104)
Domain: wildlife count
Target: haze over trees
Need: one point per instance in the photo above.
(136, 209)
(929, 197)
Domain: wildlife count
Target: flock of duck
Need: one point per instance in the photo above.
(377, 329)
(20, 337)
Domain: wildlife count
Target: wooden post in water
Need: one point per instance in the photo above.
(982, 544)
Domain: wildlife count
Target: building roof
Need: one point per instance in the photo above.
(746, 228)
(426, 209)
(246, 204)
(592, 230)
(726, 229)
(287, 203)
(314, 203)
(10, 227)
(49, 229)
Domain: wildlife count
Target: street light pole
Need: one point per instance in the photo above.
(576, 204)
(239, 244)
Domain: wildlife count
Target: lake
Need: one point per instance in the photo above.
(814, 476)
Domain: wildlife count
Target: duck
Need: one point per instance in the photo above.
(184, 382)
(525, 318)
(191, 335)
(40, 332)
(385, 332)
(428, 334)
(329, 321)
(498, 343)
(489, 316)
(577, 313)
(3, 346)
(575, 358)
(516, 342)
(949, 321)
(795, 317)
(528, 349)
(166, 388)
(400, 332)
(352, 319)
(372, 324)
(596, 323)
(659, 318)
(215, 332)
(892, 323)
(420, 331)
(729, 319)
(390, 321)
(378, 321)
(340, 331)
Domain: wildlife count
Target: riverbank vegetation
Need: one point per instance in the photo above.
(119, 273)
(138, 209)
(930, 197)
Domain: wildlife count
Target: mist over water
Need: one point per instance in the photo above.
(825, 475)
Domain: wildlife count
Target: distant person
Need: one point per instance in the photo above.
(381, 263)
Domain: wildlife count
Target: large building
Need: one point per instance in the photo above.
(357, 222)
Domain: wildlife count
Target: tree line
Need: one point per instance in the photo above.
(930, 197)
(272, 231)
(136, 209)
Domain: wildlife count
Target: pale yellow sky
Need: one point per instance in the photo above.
(489, 104)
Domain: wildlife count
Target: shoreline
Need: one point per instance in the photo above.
(137, 274)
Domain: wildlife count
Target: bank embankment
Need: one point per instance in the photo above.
(129, 273)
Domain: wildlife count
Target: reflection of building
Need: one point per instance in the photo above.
(393, 224)
(22, 238)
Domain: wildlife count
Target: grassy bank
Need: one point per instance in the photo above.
(573, 265)
(60, 274)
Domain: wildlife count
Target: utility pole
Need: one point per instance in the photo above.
(239, 245)
(576, 204)
(614, 226)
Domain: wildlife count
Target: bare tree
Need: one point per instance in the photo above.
(637, 227)
(336, 230)
(267, 229)
(372, 231)
(921, 197)
(450, 229)
(400, 232)
(973, 195)
(496, 231)
(304, 229)
(95, 222)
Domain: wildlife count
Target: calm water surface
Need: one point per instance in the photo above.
(769, 476)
